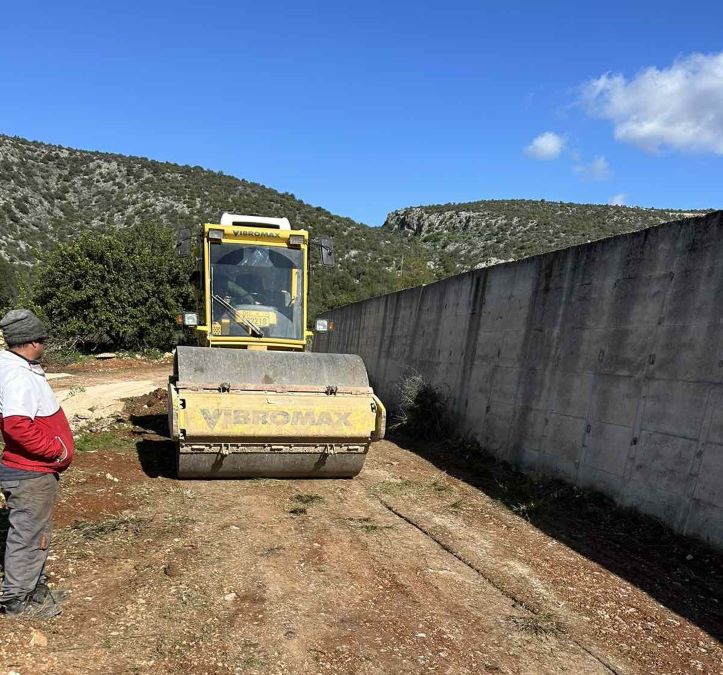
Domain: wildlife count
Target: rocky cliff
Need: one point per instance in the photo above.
(479, 234)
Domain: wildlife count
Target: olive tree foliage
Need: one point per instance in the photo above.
(121, 288)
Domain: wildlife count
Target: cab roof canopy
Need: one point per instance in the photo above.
(255, 221)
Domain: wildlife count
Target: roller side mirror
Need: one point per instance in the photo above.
(183, 243)
(327, 251)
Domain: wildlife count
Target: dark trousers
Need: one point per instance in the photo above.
(30, 503)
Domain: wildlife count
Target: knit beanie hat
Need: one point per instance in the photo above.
(20, 326)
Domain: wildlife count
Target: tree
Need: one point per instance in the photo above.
(8, 285)
(122, 288)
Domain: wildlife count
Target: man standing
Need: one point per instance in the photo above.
(38, 446)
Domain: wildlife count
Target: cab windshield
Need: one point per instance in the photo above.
(257, 291)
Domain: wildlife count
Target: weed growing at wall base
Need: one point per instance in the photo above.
(423, 411)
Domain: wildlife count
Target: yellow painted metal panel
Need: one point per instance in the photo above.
(294, 283)
(218, 340)
(380, 426)
(246, 416)
(252, 234)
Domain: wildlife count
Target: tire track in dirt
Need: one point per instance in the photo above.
(617, 621)
(343, 589)
(453, 551)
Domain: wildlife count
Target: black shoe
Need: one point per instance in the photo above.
(43, 591)
(27, 608)
(14, 607)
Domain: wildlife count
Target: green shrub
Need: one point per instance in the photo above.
(119, 288)
(423, 410)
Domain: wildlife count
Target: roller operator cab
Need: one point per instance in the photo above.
(249, 401)
(254, 284)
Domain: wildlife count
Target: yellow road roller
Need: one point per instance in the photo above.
(249, 401)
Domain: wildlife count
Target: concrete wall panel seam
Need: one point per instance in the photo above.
(706, 424)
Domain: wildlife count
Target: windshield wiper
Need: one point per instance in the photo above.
(250, 326)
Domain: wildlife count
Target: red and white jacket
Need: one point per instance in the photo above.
(34, 427)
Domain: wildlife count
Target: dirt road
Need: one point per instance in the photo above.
(404, 569)
(96, 393)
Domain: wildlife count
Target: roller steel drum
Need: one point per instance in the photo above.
(243, 413)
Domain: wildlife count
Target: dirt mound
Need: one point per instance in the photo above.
(152, 403)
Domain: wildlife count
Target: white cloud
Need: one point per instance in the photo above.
(547, 145)
(618, 199)
(679, 107)
(598, 169)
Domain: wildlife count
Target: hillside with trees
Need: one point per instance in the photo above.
(479, 234)
(51, 195)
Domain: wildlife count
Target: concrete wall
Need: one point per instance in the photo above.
(601, 364)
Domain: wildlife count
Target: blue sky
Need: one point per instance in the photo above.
(369, 106)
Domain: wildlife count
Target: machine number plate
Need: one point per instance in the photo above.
(261, 319)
